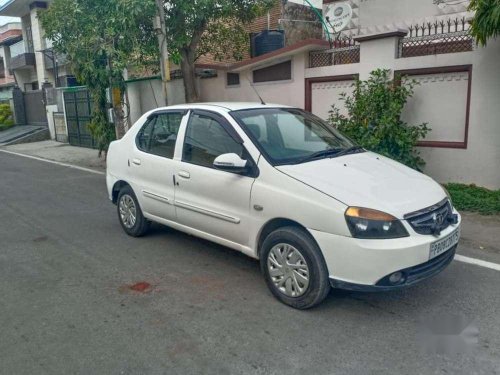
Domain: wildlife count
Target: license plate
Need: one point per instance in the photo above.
(441, 246)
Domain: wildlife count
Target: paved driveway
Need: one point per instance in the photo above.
(66, 306)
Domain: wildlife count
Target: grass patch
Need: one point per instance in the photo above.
(474, 198)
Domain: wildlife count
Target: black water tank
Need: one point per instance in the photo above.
(267, 41)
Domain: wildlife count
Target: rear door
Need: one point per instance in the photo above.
(210, 200)
(153, 165)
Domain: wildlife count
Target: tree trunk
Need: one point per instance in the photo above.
(119, 120)
(189, 75)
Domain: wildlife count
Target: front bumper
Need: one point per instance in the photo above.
(411, 275)
(360, 264)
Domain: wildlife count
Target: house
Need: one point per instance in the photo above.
(33, 61)
(38, 72)
(457, 95)
(10, 33)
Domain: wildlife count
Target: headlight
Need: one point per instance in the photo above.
(372, 224)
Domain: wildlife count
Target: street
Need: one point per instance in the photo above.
(67, 306)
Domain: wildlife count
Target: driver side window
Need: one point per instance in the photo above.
(205, 140)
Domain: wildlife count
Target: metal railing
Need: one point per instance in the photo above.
(344, 51)
(435, 38)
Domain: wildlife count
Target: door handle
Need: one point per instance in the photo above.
(136, 161)
(184, 174)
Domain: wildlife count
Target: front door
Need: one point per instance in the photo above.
(210, 200)
(152, 163)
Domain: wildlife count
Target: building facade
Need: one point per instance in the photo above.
(33, 61)
(457, 95)
(10, 34)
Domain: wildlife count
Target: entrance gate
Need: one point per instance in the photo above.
(78, 109)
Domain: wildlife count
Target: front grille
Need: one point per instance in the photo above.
(431, 220)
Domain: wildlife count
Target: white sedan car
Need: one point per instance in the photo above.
(283, 187)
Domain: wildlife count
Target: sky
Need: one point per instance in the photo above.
(4, 20)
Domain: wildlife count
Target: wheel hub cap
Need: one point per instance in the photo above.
(128, 211)
(288, 270)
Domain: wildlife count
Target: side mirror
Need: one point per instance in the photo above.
(231, 163)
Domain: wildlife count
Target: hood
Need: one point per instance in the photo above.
(369, 180)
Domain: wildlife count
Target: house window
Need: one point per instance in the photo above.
(278, 72)
(233, 79)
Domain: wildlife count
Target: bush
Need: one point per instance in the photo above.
(374, 118)
(6, 117)
(474, 198)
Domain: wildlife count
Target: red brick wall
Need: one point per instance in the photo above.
(256, 26)
(10, 34)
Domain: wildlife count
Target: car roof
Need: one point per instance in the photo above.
(226, 106)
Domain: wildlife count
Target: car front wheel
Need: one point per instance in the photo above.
(294, 268)
(130, 213)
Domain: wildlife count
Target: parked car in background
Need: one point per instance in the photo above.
(284, 187)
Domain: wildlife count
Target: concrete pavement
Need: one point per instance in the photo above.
(66, 268)
(61, 152)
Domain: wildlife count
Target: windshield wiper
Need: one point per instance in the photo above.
(350, 150)
(319, 154)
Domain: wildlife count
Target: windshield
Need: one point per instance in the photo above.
(289, 136)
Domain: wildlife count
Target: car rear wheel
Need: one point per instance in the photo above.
(130, 214)
(294, 268)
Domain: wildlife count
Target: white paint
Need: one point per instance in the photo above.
(38, 45)
(325, 94)
(478, 262)
(369, 180)
(290, 92)
(435, 95)
(54, 162)
(147, 94)
(50, 118)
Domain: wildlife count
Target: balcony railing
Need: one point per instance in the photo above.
(345, 51)
(436, 38)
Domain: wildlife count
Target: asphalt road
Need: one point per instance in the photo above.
(66, 306)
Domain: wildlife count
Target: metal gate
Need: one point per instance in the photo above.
(34, 106)
(78, 109)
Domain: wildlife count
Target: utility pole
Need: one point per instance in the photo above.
(161, 31)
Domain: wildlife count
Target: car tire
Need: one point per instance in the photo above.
(304, 259)
(130, 214)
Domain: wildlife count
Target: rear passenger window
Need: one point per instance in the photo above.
(144, 137)
(205, 140)
(159, 135)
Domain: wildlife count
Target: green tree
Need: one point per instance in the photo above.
(198, 27)
(486, 21)
(374, 121)
(101, 38)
